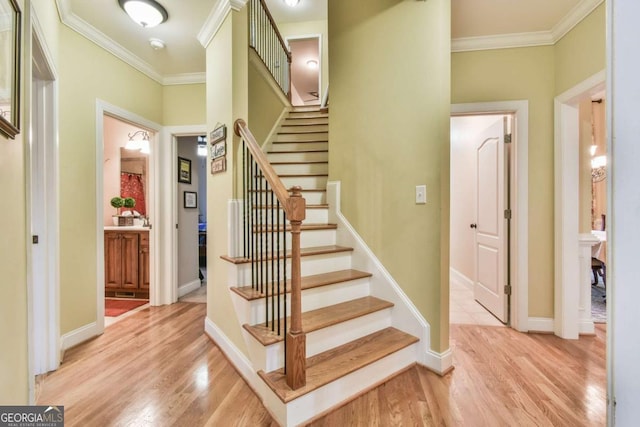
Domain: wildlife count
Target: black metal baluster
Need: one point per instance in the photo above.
(284, 260)
(273, 255)
(254, 236)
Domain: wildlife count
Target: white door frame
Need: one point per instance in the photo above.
(103, 108)
(43, 274)
(168, 154)
(566, 215)
(519, 202)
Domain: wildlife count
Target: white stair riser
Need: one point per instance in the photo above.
(319, 156)
(306, 182)
(312, 216)
(317, 136)
(301, 168)
(308, 238)
(312, 299)
(307, 121)
(303, 129)
(333, 336)
(311, 197)
(299, 410)
(316, 264)
(299, 146)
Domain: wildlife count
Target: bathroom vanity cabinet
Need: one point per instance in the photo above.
(126, 262)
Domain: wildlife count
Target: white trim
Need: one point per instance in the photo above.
(168, 206)
(103, 108)
(585, 318)
(238, 359)
(405, 315)
(541, 324)
(537, 38)
(184, 79)
(520, 202)
(440, 363)
(189, 287)
(216, 18)
(458, 278)
(566, 248)
(80, 335)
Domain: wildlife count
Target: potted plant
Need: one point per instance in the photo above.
(117, 202)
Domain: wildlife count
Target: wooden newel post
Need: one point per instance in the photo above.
(296, 340)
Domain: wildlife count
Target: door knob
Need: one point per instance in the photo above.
(474, 225)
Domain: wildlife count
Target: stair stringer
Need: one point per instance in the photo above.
(405, 315)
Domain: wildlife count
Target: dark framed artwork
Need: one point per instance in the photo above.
(190, 199)
(10, 22)
(184, 170)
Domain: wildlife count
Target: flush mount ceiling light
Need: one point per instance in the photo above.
(146, 13)
(291, 3)
(156, 44)
(312, 63)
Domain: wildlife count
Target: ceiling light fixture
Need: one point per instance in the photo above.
(143, 145)
(156, 44)
(312, 63)
(291, 3)
(146, 13)
(202, 146)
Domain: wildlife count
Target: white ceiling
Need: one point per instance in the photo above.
(476, 24)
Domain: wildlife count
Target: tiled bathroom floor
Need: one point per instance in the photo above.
(464, 309)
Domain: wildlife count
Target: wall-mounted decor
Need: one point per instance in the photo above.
(10, 21)
(218, 165)
(218, 134)
(190, 199)
(219, 149)
(184, 170)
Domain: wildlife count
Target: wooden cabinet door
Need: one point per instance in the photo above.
(130, 256)
(112, 259)
(144, 260)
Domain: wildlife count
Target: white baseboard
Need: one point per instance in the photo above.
(460, 279)
(586, 327)
(189, 287)
(541, 324)
(237, 358)
(78, 336)
(440, 363)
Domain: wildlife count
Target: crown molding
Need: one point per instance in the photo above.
(83, 28)
(184, 79)
(539, 38)
(216, 18)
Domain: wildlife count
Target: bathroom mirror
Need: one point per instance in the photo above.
(134, 178)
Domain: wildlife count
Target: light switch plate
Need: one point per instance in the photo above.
(421, 194)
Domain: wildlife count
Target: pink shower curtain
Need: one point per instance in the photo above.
(131, 186)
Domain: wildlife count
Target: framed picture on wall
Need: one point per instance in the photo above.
(190, 199)
(184, 170)
(10, 21)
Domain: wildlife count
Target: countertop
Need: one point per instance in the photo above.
(125, 228)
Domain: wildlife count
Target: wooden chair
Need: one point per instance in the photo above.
(599, 269)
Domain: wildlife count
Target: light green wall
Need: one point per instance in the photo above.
(390, 97)
(265, 105)
(227, 95)
(87, 73)
(536, 74)
(581, 53)
(293, 29)
(184, 104)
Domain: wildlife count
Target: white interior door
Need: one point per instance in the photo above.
(490, 227)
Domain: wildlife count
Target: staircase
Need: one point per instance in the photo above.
(351, 342)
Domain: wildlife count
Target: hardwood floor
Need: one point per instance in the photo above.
(158, 368)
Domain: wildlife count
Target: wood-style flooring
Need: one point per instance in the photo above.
(158, 368)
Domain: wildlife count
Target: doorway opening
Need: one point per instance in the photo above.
(191, 202)
(516, 264)
(305, 70)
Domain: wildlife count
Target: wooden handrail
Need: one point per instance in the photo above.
(275, 27)
(294, 206)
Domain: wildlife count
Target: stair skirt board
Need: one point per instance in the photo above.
(271, 357)
(405, 315)
(253, 312)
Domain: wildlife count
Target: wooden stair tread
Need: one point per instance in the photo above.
(310, 251)
(297, 151)
(321, 318)
(303, 124)
(303, 227)
(338, 362)
(298, 175)
(313, 190)
(321, 206)
(305, 141)
(307, 282)
(301, 162)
